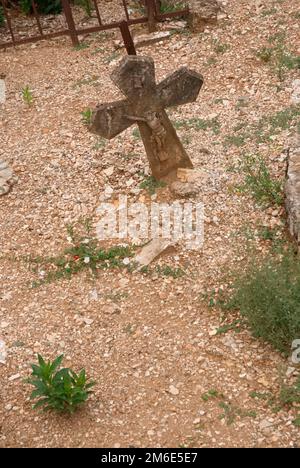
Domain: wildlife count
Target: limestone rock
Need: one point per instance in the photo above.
(202, 13)
(190, 175)
(143, 40)
(292, 190)
(7, 178)
(183, 189)
(2, 90)
(3, 353)
(152, 250)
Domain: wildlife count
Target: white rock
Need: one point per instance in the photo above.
(14, 377)
(2, 91)
(3, 353)
(295, 97)
(87, 320)
(152, 250)
(145, 39)
(109, 171)
(265, 424)
(94, 295)
(173, 390)
(123, 282)
(7, 178)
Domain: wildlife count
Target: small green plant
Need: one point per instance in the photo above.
(211, 61)
(212, 393)
(84, 254)
(170, 7)
(269, 12)
(230, 412)
(199, 124)
(2, 18)
(290, 397)
(86, 116)
(221, 48)
(86, 5)
(166, 270)
(151, 184)
(235, 326)
(278, 56)
(60, 390)
(259, 182)
(81, 46)
(100, 143)
(265, 54)
(259, 395)
(235, 140)
(267, 297)
(27, 95)
(136, 133)
(273, 124)
(111, 57)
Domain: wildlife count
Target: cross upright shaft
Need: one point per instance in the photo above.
(145, 104)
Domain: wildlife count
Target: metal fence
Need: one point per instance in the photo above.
(152, 16)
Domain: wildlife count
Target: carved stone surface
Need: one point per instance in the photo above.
(7, 178)
(145, 105)
(292, 189)
(202, 12)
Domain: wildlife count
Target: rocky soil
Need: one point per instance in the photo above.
(149, 341)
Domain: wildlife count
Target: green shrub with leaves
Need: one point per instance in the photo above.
(268, 298)
(259, 182)
(58, 390)
(45, 7)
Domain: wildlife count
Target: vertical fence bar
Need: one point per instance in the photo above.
(125, 8)
(8, 22)
(127, 38)
(70, 22)
(37, 18)
(97, 12)
(151, 12)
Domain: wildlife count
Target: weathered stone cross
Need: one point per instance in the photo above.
(145, 105)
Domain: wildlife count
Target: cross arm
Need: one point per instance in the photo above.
(108, 120)
(181, 87)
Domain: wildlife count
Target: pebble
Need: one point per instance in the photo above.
(14, 377)
(173, 390)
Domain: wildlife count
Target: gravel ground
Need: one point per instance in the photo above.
(149, 341)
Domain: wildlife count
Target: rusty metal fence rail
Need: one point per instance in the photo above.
(152, 17)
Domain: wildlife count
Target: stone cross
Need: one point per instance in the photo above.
(145, 105)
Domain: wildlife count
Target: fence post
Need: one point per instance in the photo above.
(151, 13)
(70, 22)
(127, 38)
